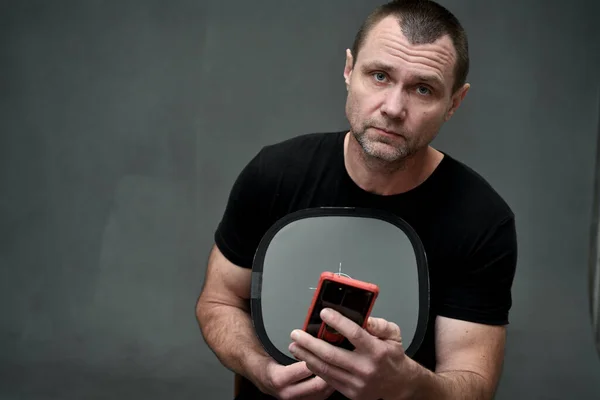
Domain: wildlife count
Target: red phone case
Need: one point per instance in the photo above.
(326, 333)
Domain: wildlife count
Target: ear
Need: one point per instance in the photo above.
(348, 67)
(457, 98)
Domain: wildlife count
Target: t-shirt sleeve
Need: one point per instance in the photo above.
(481, 293)
(243, 222)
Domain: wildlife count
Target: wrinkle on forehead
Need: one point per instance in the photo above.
(388, 39)
(433, 54)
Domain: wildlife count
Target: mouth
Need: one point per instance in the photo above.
(386, 132)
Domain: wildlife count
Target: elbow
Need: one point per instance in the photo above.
(483, 387)
(200, 310)
(487, 388)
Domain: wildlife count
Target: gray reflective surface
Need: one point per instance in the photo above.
(368, 249)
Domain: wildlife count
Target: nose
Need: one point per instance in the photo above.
(394, 103)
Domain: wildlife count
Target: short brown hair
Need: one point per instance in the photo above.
(422, 21)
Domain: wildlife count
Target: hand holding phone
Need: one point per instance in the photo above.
(350, 297)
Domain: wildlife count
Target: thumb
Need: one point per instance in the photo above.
(383, 329)
(296, 372)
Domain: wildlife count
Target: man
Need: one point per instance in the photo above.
(406, 76)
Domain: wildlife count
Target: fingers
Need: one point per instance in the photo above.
(350, 330)
(384, 330)
(337, 378)
(320, 390)
(313, 388)
(285, 376)
(332, 386)
(325, 351)
(319, 366)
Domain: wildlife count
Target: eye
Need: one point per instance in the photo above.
(379, 76)
(424, 90)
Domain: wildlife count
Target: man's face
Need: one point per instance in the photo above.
(399, 94)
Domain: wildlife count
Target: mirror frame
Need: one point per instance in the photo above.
(259, 258)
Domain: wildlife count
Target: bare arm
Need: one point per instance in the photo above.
(469, 362)
(223, 315)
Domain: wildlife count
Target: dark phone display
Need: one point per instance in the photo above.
(350, 301)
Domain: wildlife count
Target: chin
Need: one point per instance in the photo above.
(384, 152)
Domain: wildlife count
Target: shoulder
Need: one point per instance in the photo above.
(286, 161)
(295, 158)
(476, 195)
(479, 231)
(298, 147)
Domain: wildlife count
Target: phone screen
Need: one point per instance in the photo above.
(350, 301)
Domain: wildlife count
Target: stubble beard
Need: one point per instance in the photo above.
(379, 152)
(381, 148)
(382, 154)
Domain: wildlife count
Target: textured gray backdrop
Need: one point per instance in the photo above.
(124, 123)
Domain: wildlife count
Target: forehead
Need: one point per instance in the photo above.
(386, 44)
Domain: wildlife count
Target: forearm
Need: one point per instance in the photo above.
(464, 385)
(228, 331)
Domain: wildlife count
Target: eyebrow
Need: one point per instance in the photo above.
(379, 65)
(432, 79)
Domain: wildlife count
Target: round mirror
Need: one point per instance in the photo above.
(361, 244)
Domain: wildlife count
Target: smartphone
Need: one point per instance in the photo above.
(350, 297)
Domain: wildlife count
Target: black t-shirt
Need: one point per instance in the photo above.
(467, 229)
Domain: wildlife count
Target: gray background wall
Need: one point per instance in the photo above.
(124, 124)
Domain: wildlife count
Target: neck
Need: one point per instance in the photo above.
(384, 178)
